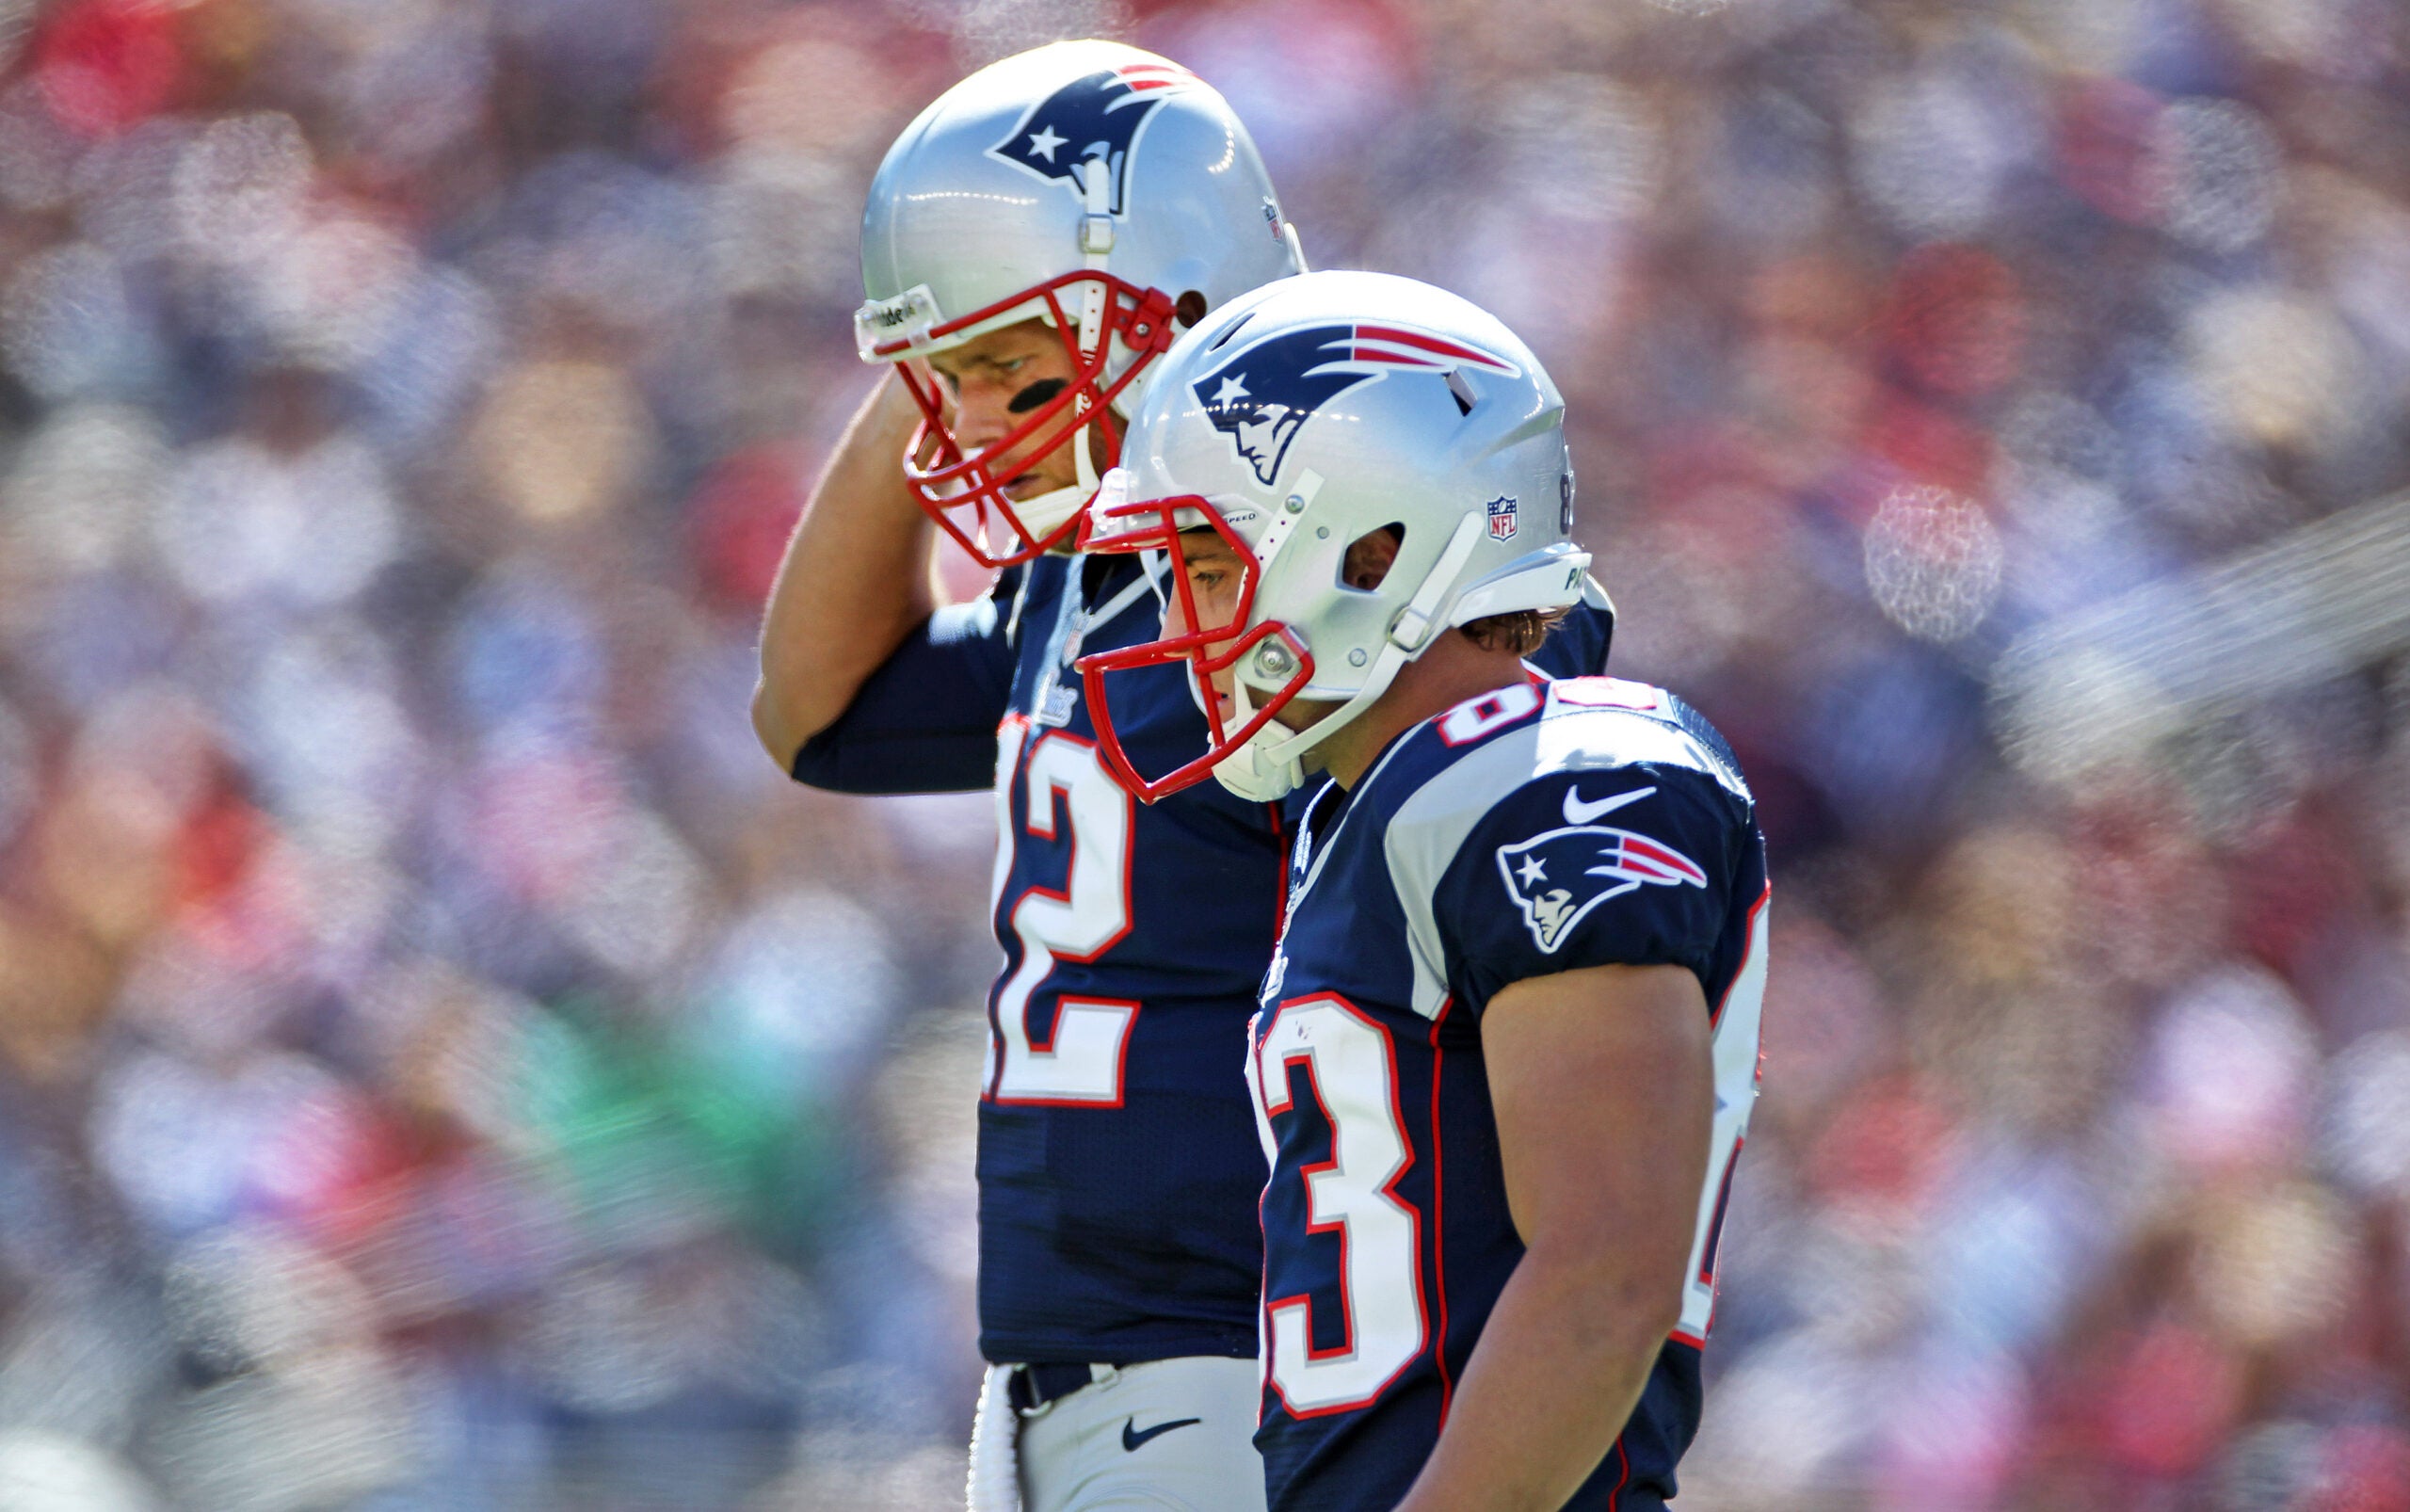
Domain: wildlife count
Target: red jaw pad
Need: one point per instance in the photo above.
(1153, 525)
(944, 477)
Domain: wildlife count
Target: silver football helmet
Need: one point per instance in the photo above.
(1090, 185)
(1296, 420)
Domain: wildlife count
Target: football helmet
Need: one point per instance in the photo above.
(1087, 185)
(1303, 417)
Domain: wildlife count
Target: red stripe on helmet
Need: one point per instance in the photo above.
(1433, 344)
(1360, 352)
(1154, 76)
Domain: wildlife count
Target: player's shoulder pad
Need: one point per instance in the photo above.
(1560, 758)
(1469, 757)
(1592, 722)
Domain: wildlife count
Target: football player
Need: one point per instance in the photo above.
(1505, 1052)
(1033, 243)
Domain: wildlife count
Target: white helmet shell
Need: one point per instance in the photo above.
(1082, 157)
(1316, 410)
(985, 197)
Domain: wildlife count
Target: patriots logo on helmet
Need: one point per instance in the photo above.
(1558, 877)
(1097, 116)
(1262, 394)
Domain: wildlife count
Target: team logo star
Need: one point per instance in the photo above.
(1532, 872)
(1233, 390)
(1044, 143)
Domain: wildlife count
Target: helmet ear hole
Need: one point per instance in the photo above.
(1189, 308)
(1370, 556)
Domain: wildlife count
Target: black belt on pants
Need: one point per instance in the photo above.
(1032, 1386)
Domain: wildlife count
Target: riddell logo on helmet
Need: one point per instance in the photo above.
(1097, 116)
(878, 321)
(1262, 394)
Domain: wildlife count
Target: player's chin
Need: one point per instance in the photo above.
(1304, 714)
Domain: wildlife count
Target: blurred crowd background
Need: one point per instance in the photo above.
(445, 1065)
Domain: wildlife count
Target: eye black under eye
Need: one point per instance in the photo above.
(1035, 395)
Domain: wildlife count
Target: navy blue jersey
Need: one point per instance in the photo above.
(1532, 830)
(1118, 1165)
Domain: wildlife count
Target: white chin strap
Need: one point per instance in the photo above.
(1264, 770)
(1096, 235)
(1272, 763)
(1044, 515)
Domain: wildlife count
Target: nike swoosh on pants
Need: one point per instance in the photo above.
(1132, 1440)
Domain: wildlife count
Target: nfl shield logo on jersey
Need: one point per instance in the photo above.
(1558, 877)
(1502, 518)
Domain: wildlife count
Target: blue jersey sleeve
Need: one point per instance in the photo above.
(1633, 865)
(1579, 644)
(926, 721)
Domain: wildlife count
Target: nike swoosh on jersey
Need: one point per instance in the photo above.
(1579, 813)
(1132, 1440)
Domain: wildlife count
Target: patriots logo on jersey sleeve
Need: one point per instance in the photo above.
(1558, 877)
(1261, 395)
(1094, 116)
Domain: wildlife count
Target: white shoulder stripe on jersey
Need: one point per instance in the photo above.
(1329, 841)
(1430, 828)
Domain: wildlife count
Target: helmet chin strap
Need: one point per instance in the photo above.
(1272, 766)
(1263, 770)
(1097, 236)
(1044, 514)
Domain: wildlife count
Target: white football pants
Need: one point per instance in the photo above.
(1167, 1436)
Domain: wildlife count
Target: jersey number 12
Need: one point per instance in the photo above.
(1077, 1061)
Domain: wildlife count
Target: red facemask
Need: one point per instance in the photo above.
(1202, 649)
(946, 479)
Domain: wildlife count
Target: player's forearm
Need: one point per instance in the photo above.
(853, 582)
(1561, 1364)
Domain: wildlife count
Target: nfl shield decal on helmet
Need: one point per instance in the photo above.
(1501, 517)
(1261, 395)
(1557, 878)
(1094, 116)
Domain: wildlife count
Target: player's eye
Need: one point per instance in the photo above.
(1035, 395)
